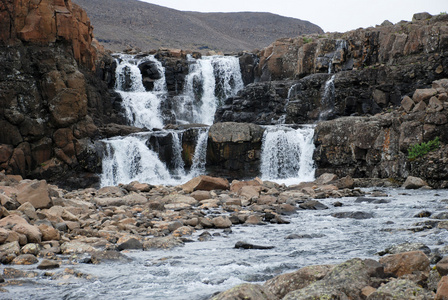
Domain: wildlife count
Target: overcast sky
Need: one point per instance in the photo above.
(330, 15)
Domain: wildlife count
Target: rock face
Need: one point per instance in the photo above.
(377, 147)
(234, 149)
(51, 102)
(373, 68)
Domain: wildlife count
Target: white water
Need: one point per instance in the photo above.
(128, 159)
(287, 154)
(210, 81)
(327, 101)
(142, 107)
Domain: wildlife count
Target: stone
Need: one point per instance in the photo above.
(49, 233)
(11, 273)
(108, 255)
(407, 247)
(423, 94)
(414, 183)
(326, 178)
(407, 103)
(250, 192)
(442, 289)
(10, 248)
(245, 291)
(442, 266)
(313, 205)
(201, 195)
(20, 225)
(31, 248)
(76, 247)
(162, 243)
(221, 222)
(48, 265)
(131, 243)
(435, 104)
(34, 192)
(359, 215)
(400, 289)
(28, 209)
(421, 16)
(206, 183)
(236, 185)
(405, 263)
(285, 283)
(419, 107)
(3, 235)
(9, 203)
(183, 231)
(25, 259)
(244, 245)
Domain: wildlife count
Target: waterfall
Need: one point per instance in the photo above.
(142, 107)
(327, 100)
(128, 159)
(210, 81)
(287, 154)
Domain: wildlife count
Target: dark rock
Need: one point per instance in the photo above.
(48, 264)
(244, 245)
(406, 247)
(130, 244)
(109, 255)
(423, 214)
(205, 236)
(313, 205)
(359, 215)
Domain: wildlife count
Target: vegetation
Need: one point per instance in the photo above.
(422, 149)
(307, 40)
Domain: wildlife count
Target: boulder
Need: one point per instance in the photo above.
(108, 255)
(34, 192)
(49, 233)
(246, 291)
(359, 215)
(20, 225)
(76, 247)
(407, 103)
(423, 95)
(285, 283)
(48, 265)
(400, 289)
(31, 248)
(162, 242)
(222, 222)
(414, 183)
(131, 243)
(25, 259)
(206, 183)
(10, 248)
(244, 245)
(442, 289)
(442, 266)
(313, 205)
(405, 263)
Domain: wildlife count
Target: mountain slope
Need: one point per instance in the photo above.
(121, 24)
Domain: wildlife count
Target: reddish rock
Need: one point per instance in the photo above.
(49, 233)
(442, 289)
(237, 185)
(206, 183)
(405, 263)
(20, 225)
(34, 192)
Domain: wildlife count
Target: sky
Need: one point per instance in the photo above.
(330, 15)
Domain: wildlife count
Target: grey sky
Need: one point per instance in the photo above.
(330, 15)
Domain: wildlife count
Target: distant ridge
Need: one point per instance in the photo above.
(121, 24)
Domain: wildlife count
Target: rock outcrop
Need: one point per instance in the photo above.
(377, 146)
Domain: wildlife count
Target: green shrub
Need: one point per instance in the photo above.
(422, 149)
(307, 40)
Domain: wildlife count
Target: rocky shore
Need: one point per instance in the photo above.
(49, 227)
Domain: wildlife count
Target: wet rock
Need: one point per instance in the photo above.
(31, 248)
(11, 273)
(313, 205)
(183, 231)
(162, 243)
(285, 283)
(206, 183)
(108, 255)
(131, 243)
(400, 289)
(245, 291)
(205, 236)
(359, 215)
(414, 183)
(25, 259)
(244, 245)
(47, 264)
(423, 214)
(405, 263)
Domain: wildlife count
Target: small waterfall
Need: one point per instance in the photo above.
(210, 81)
(142, 107)
(128, 159)
(327, 101)
(287, 154)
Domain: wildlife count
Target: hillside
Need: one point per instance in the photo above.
(122, 24)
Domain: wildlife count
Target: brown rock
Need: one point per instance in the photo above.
(20, 225)
(31, 248)
(405, 263)
(68, 107)
(253, 220)
(201, 195)
(250, 192)
(25, 259)
(407, 103)
(183, 231)
(420, 106)
(49, 233)
(237, 185)
(442, 266)
(29, 210)
(10, 248)
(222, 222)
(34, 192)
(47, 265)
(285, 283)
(206, 183)
(3, 235)
(367, 291)
(325, 178)
(423, 94)
(435, 104)
(442, 289)
(414, 183)
(75, 247)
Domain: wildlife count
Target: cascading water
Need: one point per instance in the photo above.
(327, 100)
(211, 80)
(142, 107)
(287, 154)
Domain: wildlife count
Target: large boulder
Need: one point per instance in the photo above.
(400, 289)
(246, 291)
(20, 225)
(234, 149)
(405, 263)
(34, 192)
(206, 183)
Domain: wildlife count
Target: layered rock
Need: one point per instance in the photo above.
(377, 146)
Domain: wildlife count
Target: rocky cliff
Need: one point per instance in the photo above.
(50, 100)
(370, 69)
